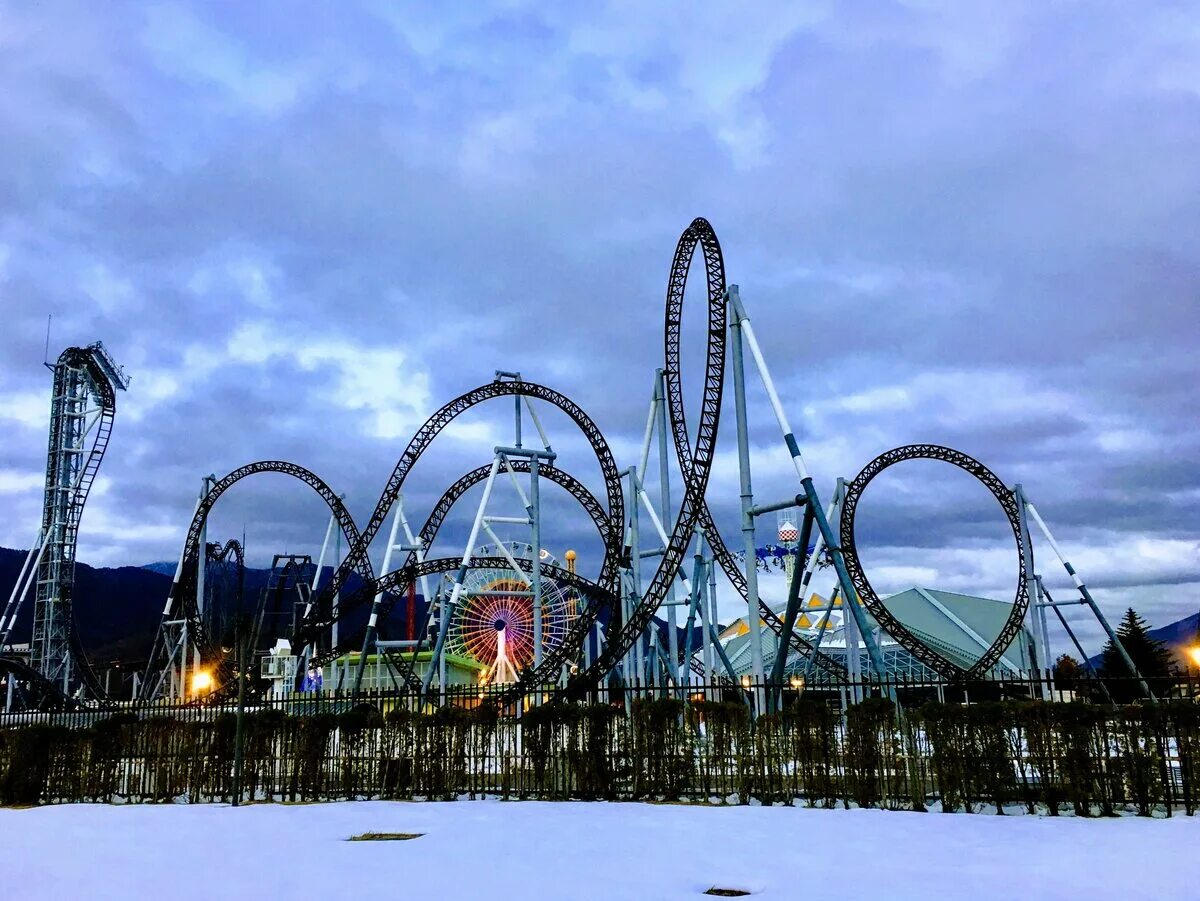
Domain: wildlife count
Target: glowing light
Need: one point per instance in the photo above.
(797, 682)
(202, 681)
(745, 681)
(1194, 653)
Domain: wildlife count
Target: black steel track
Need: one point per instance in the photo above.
(699, 457)
(695, 459)
(420, 443)
(33, 691)
(597, 595)
(182, 601)
(221, 554)
(894, 627)
(182, 598)
(106, 395)
(580, 628)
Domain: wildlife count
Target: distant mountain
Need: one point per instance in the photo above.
(1179, 633)
(1178, 636)
(118, 609)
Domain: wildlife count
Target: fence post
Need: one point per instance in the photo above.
(241, 715)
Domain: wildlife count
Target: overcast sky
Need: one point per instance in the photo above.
(301, 231)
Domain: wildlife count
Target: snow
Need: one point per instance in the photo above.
(546, 850)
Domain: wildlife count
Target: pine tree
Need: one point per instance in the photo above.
(1151, 657)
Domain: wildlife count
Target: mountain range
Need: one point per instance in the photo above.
(118, 609)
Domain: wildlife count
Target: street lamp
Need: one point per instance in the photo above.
(202, 682)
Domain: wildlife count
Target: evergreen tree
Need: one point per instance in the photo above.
(1151, 657)
(1067, 672)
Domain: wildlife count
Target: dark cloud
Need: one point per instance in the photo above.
(303, 233)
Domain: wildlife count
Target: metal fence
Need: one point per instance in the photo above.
(994, 744)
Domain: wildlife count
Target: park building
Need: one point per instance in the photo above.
(957, 626)
(280, 666)
(378, 675)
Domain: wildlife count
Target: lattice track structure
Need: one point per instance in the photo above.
(600, 596)
(181, 602)
(597, 599)
(82, 410)
(29, 690)
(695, 459)
(1007, 499)
(224, 589)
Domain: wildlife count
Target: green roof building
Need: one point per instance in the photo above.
(960, 627)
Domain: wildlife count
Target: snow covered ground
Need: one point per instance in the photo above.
(543, 850)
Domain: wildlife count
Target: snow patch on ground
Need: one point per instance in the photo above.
(581, 850)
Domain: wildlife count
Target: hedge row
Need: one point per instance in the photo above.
(1089, 759)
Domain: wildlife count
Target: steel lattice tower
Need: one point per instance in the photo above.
(82, 407)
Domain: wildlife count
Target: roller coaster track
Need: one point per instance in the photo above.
(424, 437)
(418, 445)
(33, 691)
(83, 409)
(695, 460)
(82, 376)
(181, 602)
(606, 582)
(1004, 496)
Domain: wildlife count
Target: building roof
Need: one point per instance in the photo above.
(958, 626)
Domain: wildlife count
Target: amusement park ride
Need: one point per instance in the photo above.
(529, 628)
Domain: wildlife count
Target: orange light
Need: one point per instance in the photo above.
(1194, 653)
(202, 682)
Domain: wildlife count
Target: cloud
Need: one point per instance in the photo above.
(182, 44)
(29, 410)
(373, 380)
(962, 224)
(20, 482)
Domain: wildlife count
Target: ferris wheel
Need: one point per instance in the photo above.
(494, 624)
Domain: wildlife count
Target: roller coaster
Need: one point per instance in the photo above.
(614, 631)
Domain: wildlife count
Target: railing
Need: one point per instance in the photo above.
(991, 745)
